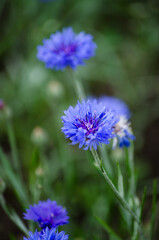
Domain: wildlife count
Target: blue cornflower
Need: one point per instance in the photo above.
(47, 214)
(123, 133)
(89, 124)
(66, 49)
(122, 128)
(116, 104)
(47, 234)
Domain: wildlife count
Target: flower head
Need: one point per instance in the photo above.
(122, 128)
(47, 214)
(89, 124)
(123, 133)
(47, 234)
(66, 49)
(116, 104)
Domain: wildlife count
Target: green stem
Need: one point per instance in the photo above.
(130, 169)
(13, 146)
(135, 231)
(111, 185)
(154, 200)
(77, 85)
(99, 165)
(131, 185)
(106, 160)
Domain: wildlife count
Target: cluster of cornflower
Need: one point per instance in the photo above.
(95, 122)
(91, 122)
(48, 215)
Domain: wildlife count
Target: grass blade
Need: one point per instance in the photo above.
(120, 181)
(142, 203)
(108, 228)
(154, 199)
(13, 178)
(13, 216)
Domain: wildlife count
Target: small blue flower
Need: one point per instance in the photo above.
(123, 133)
(89, 124)
(47, 234)
(47, 214)
(66, 49)
(116, 104)
(122, 128)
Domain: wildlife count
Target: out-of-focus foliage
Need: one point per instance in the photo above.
(126, 65)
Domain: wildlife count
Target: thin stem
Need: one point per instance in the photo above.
(106, 160)
(117, 194)
(154, 199)
(99, 165)
(131, 193)
(135, 231)
(13, 146)
(130, 168)
(77, 85)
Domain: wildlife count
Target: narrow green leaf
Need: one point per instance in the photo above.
(16, 219)
(13, 216)
(120, 181)
(142, 203)
(108, 228)
(135, 232)
(3, 204)
(13, 178)
(130, 169)
(13, 146)
(154, 198)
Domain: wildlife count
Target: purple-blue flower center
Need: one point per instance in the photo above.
(90, 123)
(69, 49)
(44, 225)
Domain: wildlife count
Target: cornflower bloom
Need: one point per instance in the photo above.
(47, 214)
(66, 49)
(47, 234)
(122, 128)
(89, 124)
(116, 104)
(1, 104)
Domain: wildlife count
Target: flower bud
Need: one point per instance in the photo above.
(39, 172)
(39, 136)
(39, 186)
(54, 89)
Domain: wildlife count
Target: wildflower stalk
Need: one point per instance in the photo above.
(77, 85)
(13, 146)
(130, 169)
(154, 199)
(131, 193)
(13, 215)
(99, 165)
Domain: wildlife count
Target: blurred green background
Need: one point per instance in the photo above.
(125, 66)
